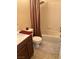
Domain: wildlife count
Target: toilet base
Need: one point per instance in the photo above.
(36, 46)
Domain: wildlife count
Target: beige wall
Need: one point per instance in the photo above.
(23, 14)
(50, 17)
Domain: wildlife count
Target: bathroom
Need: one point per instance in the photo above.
(59, 33)
(50, 26)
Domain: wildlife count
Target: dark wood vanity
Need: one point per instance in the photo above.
(25, 48)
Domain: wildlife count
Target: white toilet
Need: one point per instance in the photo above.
(37, 40)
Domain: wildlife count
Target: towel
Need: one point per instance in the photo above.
(25, 32)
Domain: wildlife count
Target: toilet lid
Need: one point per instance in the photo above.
(36, 38)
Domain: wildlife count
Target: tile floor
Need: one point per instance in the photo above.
(49, 49)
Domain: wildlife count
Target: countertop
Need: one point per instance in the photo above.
(21, 37)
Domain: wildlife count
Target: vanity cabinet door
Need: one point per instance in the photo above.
(22, 52)
(30, 47)
(25, 49)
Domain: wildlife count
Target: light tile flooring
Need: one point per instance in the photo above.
(49, 49)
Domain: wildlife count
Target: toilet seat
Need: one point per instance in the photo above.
(37, 38)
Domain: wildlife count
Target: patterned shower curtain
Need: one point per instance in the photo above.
(35, 17)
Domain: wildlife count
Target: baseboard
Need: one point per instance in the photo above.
(54, 36)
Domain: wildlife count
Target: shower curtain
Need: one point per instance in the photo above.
(35, 17)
